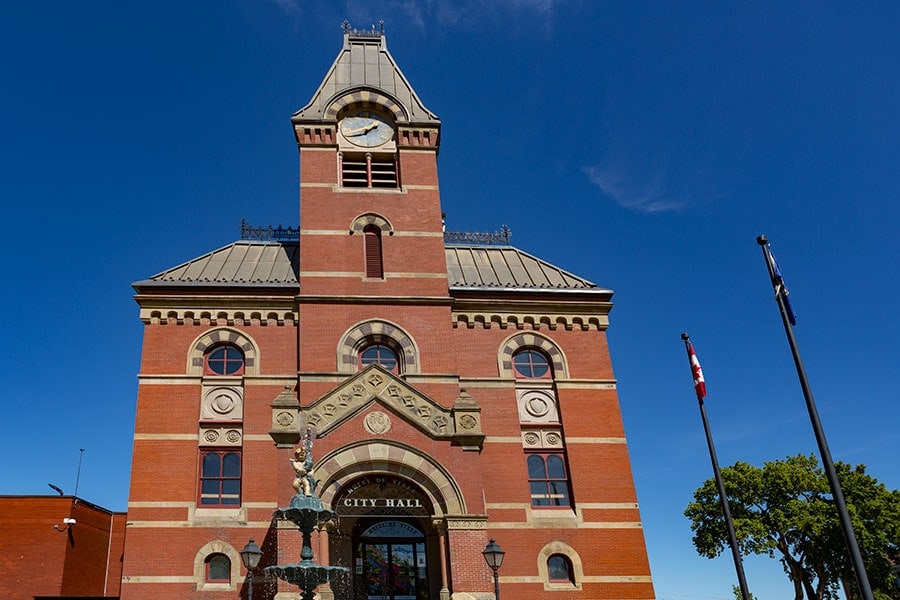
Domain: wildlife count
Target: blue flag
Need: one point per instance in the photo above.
(781, 290)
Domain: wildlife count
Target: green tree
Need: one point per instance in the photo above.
(736, 590)
(785, 509)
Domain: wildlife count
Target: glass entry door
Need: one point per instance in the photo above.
(390, 567)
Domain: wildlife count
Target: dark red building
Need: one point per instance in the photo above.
(59, 547)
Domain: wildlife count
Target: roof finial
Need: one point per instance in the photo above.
(375, 32)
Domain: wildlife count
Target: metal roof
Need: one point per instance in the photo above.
(276, 263)
(364, 62)
(247, 262)
(507, 267)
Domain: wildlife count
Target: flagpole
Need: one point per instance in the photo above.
(837, 495)
(726, 511)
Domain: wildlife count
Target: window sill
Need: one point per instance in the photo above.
(567, 586)
(217, 515)
(216, 587)
(557, 516)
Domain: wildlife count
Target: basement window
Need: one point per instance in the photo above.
(368, 171)
(559, 569)
(218, 569)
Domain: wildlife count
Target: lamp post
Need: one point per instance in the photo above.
(250, 556)
(493, 556)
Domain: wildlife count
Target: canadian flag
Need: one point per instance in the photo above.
(699, 382)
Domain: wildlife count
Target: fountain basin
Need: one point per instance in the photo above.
(307, 574)
(305, 512)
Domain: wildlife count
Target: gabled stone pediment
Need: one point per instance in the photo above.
(375, 385)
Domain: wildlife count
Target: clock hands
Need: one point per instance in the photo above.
(362, 130)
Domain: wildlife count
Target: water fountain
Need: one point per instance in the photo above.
(307, 512)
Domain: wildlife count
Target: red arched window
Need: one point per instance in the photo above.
(372, 252)
(380, 355)
(225, 360)
(531, 364)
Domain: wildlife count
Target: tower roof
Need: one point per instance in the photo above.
(364, 71)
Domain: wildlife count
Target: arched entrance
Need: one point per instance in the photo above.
(385, 533)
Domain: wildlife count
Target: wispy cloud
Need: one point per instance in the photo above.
(647, 196)
(289, 6)
(508, 13)
(513, 15)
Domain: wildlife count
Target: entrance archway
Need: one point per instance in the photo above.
(385, 533)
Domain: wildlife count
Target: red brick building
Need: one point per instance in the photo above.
(59, 547)
(460, 389)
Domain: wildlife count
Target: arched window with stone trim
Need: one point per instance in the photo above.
(560, 567)
(365, 336)
(217, 567)
(202, 348)
(530, 355)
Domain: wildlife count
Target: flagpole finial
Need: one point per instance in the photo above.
(685, 337)
(762, 240)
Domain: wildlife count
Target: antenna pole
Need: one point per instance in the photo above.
(78, 472)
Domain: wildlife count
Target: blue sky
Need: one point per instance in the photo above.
(641, 145)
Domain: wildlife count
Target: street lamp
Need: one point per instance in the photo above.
(250, 556)
(493, 556)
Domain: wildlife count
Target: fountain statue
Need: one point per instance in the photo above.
(306, 512)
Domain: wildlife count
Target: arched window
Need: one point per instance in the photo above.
(372, 252)
(218, 569)
(220, 478)
(379, 354)
(547, 480)
(224, 359)
(531, 364)
(559, 569)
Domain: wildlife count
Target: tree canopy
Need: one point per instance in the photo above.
(785, 509)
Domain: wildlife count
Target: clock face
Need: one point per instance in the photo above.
(366, 130)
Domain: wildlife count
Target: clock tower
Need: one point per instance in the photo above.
(460, 390)
(370, 218)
